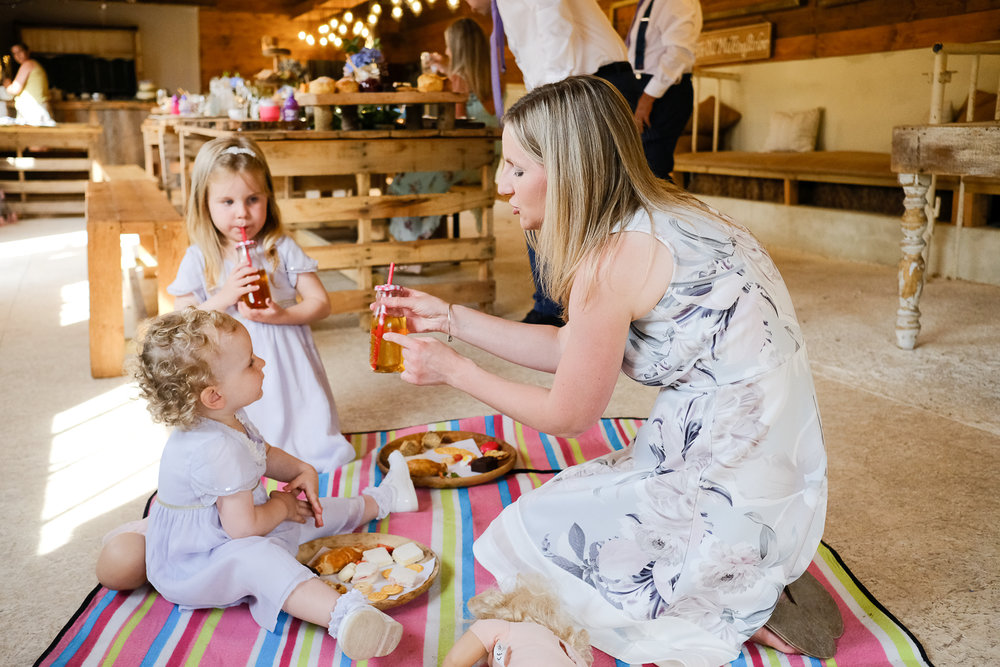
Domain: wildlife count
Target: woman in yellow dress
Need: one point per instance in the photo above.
(30, 89)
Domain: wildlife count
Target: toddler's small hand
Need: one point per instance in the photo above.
(307, 482)
(295, 510)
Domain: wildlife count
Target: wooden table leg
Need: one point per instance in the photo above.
(107, 318)
(171, 244)
(911, 264)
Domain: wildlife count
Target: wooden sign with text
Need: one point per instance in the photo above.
(734, 45)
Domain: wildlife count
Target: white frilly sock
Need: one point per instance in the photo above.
(396, 492)
(348, 602)
(361, 630)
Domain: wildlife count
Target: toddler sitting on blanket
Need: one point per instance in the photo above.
(214, 537)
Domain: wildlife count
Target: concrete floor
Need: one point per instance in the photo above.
(913, 437)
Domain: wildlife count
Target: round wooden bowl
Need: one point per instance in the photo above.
(364, 541)
(448, 437)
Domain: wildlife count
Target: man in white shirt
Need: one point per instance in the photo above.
(661, 48)
(552, 40)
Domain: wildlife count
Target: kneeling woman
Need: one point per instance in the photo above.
(676, 549)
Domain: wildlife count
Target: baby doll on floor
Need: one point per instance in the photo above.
(524, 626)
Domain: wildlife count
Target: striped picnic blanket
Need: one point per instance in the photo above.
(141, 628)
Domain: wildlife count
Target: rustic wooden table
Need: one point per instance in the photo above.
(60, 191)
(918, 151)
(116, 207)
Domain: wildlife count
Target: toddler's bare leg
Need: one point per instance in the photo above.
(121, 565)
(312, 601)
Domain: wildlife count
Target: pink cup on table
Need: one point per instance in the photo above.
(269, 112)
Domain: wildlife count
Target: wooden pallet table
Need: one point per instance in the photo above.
(161, 149)
(364, 156)
(44, 170)
(116, 207)
(412, 101)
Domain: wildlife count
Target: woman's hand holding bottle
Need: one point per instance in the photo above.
(427, 360)
(422, 311)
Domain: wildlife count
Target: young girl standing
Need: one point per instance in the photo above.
(232, 199)
(215, 538)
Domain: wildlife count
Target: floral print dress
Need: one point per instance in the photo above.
(675, 549)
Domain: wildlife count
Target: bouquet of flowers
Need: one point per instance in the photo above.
(364, 64)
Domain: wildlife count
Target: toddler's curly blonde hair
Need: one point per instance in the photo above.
(533, 601)
(173, 362)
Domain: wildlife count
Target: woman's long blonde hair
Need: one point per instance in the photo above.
(533, 601)
(581, 131)
(235, 155)
(470, 57)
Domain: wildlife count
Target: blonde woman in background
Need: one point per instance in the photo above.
(468, 68)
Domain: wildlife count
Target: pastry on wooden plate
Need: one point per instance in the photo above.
(426, 468)
(411, 448)
(334, 560)
(430, 440)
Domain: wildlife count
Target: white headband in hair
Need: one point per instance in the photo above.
(236, 150)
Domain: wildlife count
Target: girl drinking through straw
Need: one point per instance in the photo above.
(232, 199)
(215, 538)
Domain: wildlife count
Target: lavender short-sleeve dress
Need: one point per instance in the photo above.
(191, 560)
(297, 411)
(675, 549)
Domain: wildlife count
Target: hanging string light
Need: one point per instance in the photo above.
(337, 29)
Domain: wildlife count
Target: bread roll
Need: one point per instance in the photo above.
(322, 85)
(347, 85)
(430, 83)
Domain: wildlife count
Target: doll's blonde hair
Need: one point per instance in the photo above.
(470, 57)
(533, 601)
(232, 155)
(173, 362)
(581, 131)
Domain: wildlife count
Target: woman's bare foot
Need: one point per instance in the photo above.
(767, 638)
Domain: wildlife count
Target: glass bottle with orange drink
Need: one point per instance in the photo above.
(386, 357)
(257, 299)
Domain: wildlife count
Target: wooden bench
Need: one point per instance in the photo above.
(117, 207)
(846, 167)
(834, 167)
(44, 170)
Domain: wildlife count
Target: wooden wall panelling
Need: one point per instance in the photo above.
(825, 28)
(229, 41)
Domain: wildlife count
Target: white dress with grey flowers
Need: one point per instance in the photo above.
(674, 550)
